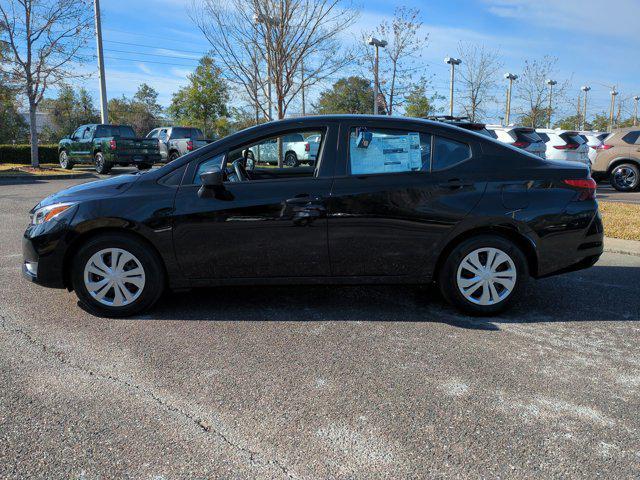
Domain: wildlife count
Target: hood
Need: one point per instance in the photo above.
(98, 189)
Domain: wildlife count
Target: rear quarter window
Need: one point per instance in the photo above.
(448, 152)
(632, 137)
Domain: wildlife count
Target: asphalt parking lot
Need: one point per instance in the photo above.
(318, 382)
(609, 194)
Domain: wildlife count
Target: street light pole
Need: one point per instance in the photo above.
(551, 83)
(586, 90)
(376, 85)
(511, 77)
(453, 62)
(104, 114)
(302, 86)
(635, 110)
(614, 93)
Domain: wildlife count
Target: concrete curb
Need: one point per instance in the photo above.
(35, 178)
(617, 245)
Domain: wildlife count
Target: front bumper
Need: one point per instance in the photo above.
(43, 254)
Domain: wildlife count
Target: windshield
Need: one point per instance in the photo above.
(122, 131)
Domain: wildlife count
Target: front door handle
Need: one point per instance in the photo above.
(455, 184)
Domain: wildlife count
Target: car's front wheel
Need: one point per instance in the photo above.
(65, 161)
(174, 156)
(625, 177)
(117, 276)
(483, 275)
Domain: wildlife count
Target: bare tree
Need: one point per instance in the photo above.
(533, 91)
(44, 37)
(398, 62)
(478, 76)
(264, 43)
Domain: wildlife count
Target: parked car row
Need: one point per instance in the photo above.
(106, 146)
(610, 156)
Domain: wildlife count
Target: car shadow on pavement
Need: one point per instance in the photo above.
(589, 295)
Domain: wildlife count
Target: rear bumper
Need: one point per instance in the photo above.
(577, 247)
(134, 158)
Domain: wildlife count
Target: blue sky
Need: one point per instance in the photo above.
(156, 42)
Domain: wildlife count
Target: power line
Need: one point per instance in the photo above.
(156, 47)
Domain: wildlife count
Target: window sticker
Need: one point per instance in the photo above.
(386, 154)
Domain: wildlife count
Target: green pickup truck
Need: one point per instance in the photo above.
(106, 146)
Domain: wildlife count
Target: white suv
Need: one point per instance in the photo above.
(565, 145)
(522, 137)
(594, 140)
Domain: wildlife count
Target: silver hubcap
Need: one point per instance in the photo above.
(114, 277)
(486, 276)
(625, 177)
(63, 159)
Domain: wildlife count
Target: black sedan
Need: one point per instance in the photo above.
(389, 200)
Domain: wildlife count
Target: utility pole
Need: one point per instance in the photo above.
(302, 85)
(586, 90)
(578, 112)
(635, 110)
(104, 114)
(551, 83)
(613, 106)
(376, 82)
(511, 77)
(453, 62)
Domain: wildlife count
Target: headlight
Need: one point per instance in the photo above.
(44, 214)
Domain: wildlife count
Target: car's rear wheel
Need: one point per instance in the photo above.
(173, 156)
(117, 276)
(625, 177)
(65, 161)
(102, 166)
(291, 160)
(483, 275)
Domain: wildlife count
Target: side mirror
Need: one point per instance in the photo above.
(212, 178)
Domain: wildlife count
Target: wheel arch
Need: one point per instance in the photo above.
(508, 232)
(119, 229)
(619, 161)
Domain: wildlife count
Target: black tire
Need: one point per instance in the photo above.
(291, 160)
(147, 257)
(143, 166)
(448, 275)
(65, 161)
(102, 166)
(625, 177)
(173, 156)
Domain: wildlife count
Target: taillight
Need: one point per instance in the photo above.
(604, 146)
(586, 186)
(568, 146)
(307, 147)
(521, 144)
(189, 145)
(112, 144)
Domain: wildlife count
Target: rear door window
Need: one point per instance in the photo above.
(632, 137)
(377, 150)
(544, 137)
(448, 152)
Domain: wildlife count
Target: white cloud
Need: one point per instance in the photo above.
(577, 15)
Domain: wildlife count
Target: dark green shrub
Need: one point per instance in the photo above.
(21, 154)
